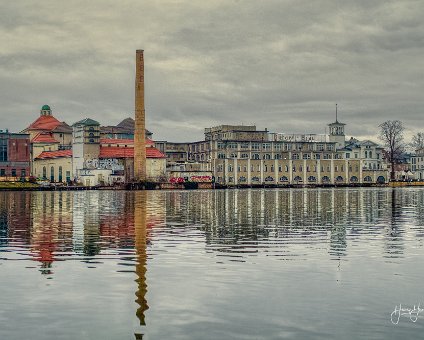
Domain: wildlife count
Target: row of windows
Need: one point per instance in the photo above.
(13, 173)
(298, 179)
(60, 174)
(271, 168)
(294, 156)
(277, 146)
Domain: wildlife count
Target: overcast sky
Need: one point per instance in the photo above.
(279, 64)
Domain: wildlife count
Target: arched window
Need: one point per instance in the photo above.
(312, 179)
(255, 179)
(354, 179)
(242, 179)
(325, 179)
(269, 179)
(382, 180)
(366, 154)
(284, 179)
(52, 174)
(44, 172)
(339, 179)
(368, 179)
(60, 173)
(298, 179)
(91, 134)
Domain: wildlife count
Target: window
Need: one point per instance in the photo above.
(269, 179)
(267, 156)
(2, 172)
(339, 179)
(233, 155)
(244, 145)
(51, 174)
(298, 179)
(232, 145)
(368, 179)
(295, 156)
(3, 150)
(266, 146)
(68, 176)
(244, 155)
(306, 156)
(255, 156)
(60, 173)
(347, 155)
(312, 179)
(44, 172)
(284, 179)
(320, 147)
(242, 179)
(230, 168)
(277, 156)
(325, 179)
(256, 146)
(317, 156)
(23, 172)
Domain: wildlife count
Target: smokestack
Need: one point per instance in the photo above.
(140, 125)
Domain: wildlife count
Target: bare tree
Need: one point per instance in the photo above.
(417, 141)
(391, 134)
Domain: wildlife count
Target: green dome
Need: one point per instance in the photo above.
(45, 108)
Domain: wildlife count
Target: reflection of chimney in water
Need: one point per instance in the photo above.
(140, 247)
(140, 126)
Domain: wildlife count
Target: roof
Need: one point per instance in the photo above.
(45, 108)
(86, 122)
(55, 154)
(44, 137)
(44, 123)
(127, 123)
(128, 152)
(49, 123)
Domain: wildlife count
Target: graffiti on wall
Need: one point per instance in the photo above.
(106, 164)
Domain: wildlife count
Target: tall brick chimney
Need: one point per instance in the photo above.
(140, 125)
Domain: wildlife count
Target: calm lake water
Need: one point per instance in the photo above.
(234, 264)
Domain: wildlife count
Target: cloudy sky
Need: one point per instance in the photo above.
(279, 64)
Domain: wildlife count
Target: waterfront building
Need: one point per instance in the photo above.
(47, 123)
(241, 155)
(54, 166)
(417, 164)
(14, 155)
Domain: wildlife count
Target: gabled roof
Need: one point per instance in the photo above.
(86, 122)
(44, 137)
(55, 154)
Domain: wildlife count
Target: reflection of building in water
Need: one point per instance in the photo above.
(239, 221)
(15, 217)
(52, 226)
(86, 222)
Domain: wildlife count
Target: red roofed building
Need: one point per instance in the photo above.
(54, 166)
(123, 150)
(47, 133)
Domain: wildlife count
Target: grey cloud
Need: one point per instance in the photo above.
(280, 64)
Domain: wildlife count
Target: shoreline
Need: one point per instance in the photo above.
(208, 186)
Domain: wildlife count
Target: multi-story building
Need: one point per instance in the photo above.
(241, 155)
(417, 164)
(14, 155)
